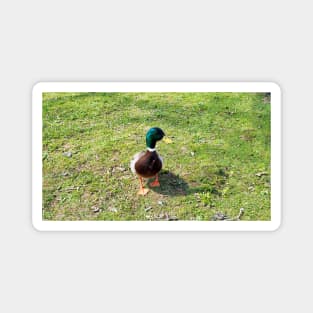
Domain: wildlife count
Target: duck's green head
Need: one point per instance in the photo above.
(154, 134)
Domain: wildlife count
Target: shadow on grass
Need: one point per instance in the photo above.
(173, 185)
(209, 181)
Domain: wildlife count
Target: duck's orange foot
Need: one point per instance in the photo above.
(143, 191)
(155, 184)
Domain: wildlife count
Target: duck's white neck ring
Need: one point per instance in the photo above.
(150, 149)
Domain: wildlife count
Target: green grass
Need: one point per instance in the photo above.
(221, 141)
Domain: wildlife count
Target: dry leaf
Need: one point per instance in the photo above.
(168, 140)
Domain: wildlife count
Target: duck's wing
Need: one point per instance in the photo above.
(135, 158)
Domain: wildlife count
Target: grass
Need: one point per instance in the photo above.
(219, 160)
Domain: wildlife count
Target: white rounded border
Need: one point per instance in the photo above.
(42, 225)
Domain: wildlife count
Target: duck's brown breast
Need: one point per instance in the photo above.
(148, 165)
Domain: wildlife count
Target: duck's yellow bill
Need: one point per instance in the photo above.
(167, 140)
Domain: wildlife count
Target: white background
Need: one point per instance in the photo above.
(155, 41)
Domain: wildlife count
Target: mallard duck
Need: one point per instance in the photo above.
(148, 164)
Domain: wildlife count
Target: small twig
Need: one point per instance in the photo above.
(241, 212)
(71, 188)
(238, 217)
(261, 174)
